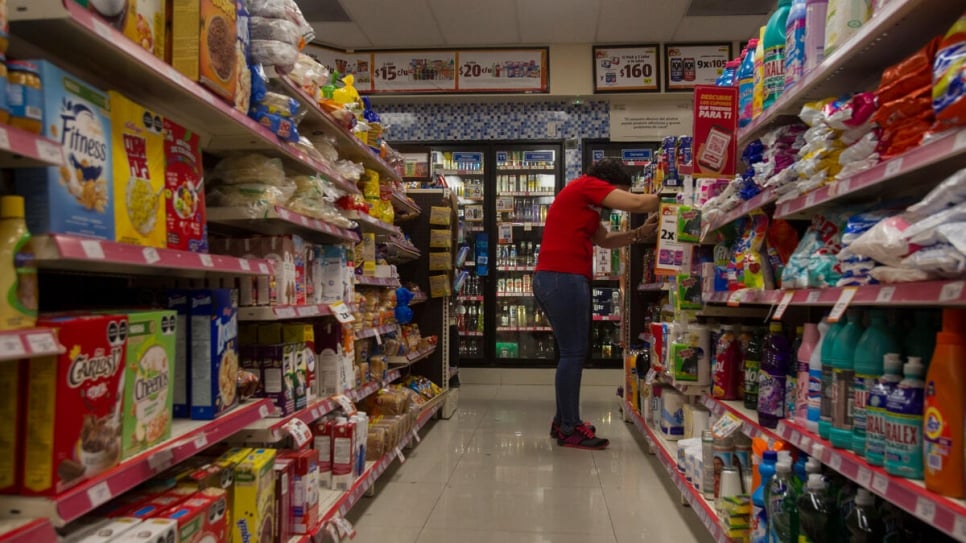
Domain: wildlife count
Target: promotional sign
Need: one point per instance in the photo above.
(691, 65)
(503, 70)
(627, 69)
(715, 131)
(640, 121)
(673, 256)
(637, 157)
(357, 64)
(414, 71)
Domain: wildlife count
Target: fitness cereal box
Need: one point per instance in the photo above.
(138, 173)
(78, 197)
(148, 380)
(74, 400)
(213, 352)
(184, 190)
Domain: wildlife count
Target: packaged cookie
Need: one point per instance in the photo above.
(148, 380)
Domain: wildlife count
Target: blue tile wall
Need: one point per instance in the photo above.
(511, 122)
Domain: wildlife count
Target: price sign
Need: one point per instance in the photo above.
(161, 460)
(885, 294)
(951, 291)
(926, 509)
(618, 69)
(263, 268)
(960, 140)
(893, 167)
(5, 142)
(810, 199)
(99, 494)
(959, 528)
(151, 255)
(416, 436)
(414, 71)
(299, 431)
(692, 65)
(92, 249)
(845, 298)
(206, 260)
(736, 297)
(786, 300)
(346, 404)
(47, 151)
(502, 70)
(341, 312)
(835, 462)
(263, 411)
(11, 347)
(102, 29)
(357, 64)
(813, 297)
(42, 343)
(201, 441)
(308, 310)
(864, 477)
(285, 312)
(244, 265)
(844, 186)
(400, 456)
(880, 484)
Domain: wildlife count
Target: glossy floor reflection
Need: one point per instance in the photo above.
(492, 474)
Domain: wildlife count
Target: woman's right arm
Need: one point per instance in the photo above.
(630, 202)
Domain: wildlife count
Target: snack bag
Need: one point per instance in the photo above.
(949, 77)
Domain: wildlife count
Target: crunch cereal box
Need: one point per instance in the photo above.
(148, 380)
(213, 352)
(73, 428)
(77, 198)
(184, 190)
(138, 173)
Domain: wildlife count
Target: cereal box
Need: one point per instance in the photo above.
(303, 335)
(213, 355)
(148, 380)
(105, 531)
(77, 198)
(138, 173)
(253, 518)
(179, 302)
(284, 491)
(157, 505)
(151, 531)
(145, 25)
(73, 419)
(203, 518)
(11, 421)
(219, 58)
(229, 462)
(279, 369)
(185, 40)
(184, 191)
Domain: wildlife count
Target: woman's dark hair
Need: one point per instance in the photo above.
(610, 169)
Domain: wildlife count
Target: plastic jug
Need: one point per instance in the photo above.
(876, 341)
(815, 11)
(726, 365)
(904, 423)
(746, 83)
(759, 93)
(828, 345)
(752, 365)
(814, 512)
(795, 43)
(875, 437)
(864, 523)
(774, 59)
(815, 379)
(18, 276)
(781, 504)
(843, 365)
(791, 378)
(945, 398)
(810, 338)
(771, 379)
(759, 513)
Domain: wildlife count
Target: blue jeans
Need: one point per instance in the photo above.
(565, 298)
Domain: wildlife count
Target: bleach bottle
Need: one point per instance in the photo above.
(876, 341)
(875, 415)
(815, 379)
(795, 43)
(759, 513)
(774, 59)
(746, 82)
(810, 344)
(828, 345)
(843, 364)
(904, 423)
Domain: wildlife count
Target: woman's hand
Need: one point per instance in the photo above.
(647, 232)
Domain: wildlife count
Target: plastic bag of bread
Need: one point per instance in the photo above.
(287, 10)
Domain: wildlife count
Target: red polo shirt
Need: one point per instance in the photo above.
(572, 220)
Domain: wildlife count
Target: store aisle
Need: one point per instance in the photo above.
(492, 474)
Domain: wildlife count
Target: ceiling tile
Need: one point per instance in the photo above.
(340, 35)
(734, 28)
(638, 21)
(404, 23)
(471, 22)
(558, 21)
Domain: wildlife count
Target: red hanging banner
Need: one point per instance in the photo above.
(715, 131)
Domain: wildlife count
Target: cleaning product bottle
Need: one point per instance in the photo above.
(18, 276)
(752, 365)
(800, 469)
(814, 512)
(795, 43)
(810, 339)
(791, 378)
(875, 437)
(759, 512)
(843, 20)
(815, 379)
(945, 398)
(771, 378)
(759, 93)
(904, 423)
(842, 493)
(774, 61)
(746, 82)
(727, 77)
(828, 374)
(843, 364)
(727, 359)
(921, 340)
(876, 341)
(782, 495)
(815, 11)
(865, 523)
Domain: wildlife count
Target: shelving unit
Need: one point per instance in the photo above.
(28, 343)
(27, 531)
(928, 293)
(22, 149)
(277, 220)
(376, 331)
(371, 281)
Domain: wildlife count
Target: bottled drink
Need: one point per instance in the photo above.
(781, 503)
(771, 377)
(814, 512)
(752, 366)
(864, 523)
(513, 316)
(505, 316)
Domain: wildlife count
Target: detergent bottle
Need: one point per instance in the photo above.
(771, 378)
(865, 523)
(759, 93)
(781, 503)
(774, 60)
(746, 82)
(875, 437)
(759, 513)
(843, 364)
(809, 344)
(795, 43)
(828, 373)
(904, 423)
(876, 341)
(945, 398)
(815, 379)
(815, 510)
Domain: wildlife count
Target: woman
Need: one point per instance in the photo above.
(561, 283)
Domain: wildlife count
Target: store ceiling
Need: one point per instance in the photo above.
(395, 24)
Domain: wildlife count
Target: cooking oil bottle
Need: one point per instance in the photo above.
(18, 276)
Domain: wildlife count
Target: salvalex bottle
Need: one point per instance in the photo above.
(904, 423)
(18, 274)
(774, 59)
(945, 398)
(843, 364)
(828, 345)
(876, 341)
(875, 437)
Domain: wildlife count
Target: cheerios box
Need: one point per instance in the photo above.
(77, 197)
(74, 399)
(139, 206)
(213, 352)
(148, 380)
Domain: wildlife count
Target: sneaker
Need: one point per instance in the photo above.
(582, 437)
(555, 428)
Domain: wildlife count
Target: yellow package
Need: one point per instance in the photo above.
(254, 498)
(138, 173)
(439, 286)
(370, 184)
(439, 216)
(145, 25)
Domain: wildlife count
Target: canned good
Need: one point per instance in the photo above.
(677, 69)
(25, 96)
(690, 70)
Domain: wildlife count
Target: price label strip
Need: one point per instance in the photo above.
(951, 291)
(11, 347)
(346, 404)
(885, 294)
(161, 460)
(341, 312)
(845, 298)
(786, 300)
(299, 431)
(925, 507)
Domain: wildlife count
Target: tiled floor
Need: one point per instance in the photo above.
(492, 474)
